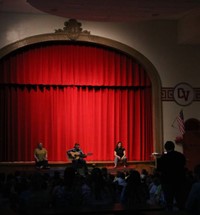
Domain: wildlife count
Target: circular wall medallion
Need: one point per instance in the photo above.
(183, 94)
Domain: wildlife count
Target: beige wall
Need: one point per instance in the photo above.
(156, 40)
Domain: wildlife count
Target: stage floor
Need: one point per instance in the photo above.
(29, 167)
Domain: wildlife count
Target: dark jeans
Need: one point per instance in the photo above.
(42, 164)
(124, 161)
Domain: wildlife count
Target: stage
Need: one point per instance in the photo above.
(29, 167)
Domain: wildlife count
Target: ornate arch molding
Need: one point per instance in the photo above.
(73, 32)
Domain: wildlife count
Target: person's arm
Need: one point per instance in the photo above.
(35, 156)
(115, 154)
(82, 154)
(46, 155)
(70, 153)
(124, 155)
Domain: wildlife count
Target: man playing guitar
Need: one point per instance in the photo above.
(77, 156)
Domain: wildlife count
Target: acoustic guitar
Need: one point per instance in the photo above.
(77, 155)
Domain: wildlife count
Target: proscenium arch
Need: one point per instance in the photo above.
(148, 66)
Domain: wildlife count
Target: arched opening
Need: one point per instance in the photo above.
(82, 38)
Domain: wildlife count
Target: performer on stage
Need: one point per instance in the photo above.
(40, 155)
(120, 154)
(77, 156)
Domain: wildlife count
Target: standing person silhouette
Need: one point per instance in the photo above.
(120, 155)
(171, 166)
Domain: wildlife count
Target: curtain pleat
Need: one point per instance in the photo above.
(59, 94)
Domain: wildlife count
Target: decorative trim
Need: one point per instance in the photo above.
(196, 94)
(167, 94)
(72, 29)
(183, 94)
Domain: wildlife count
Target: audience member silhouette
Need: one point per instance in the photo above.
(72, 192)
(35, 197)
(156, 196)
(171, 166)
(67, 195)
(134, 195)
(101, 194)
(193, 200)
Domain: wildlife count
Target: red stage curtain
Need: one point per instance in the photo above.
(60, 94)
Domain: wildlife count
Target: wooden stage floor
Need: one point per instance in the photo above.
(29, 167)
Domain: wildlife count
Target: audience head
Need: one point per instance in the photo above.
(69, 175)
(169, 146)
(134, 177)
